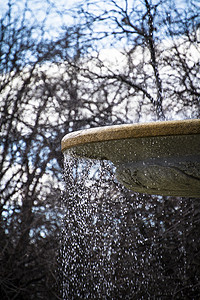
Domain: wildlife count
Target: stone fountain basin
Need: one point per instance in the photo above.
(159, 158)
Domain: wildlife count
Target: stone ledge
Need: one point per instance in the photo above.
(126, 131)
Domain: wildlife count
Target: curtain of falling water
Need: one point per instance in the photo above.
(121, 245)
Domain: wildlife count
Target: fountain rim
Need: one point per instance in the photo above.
(128, 131)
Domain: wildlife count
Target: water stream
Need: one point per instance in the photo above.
(117, 244)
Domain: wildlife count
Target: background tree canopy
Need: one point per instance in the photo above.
(93, 64)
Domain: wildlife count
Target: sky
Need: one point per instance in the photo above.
(56, 11)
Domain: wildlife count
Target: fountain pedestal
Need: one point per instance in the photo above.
(160, 158)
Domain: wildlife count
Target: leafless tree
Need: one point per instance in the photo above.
(146, 57)
(29, 191)
(119, 64)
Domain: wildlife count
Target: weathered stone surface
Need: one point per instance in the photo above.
(174, 177)
(127, 131)
(156, 158)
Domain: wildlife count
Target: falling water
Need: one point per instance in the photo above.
(118, 244)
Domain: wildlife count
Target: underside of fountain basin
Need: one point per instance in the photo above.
(159, 158)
